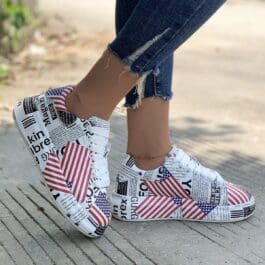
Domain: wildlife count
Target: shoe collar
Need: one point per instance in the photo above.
(129, 160)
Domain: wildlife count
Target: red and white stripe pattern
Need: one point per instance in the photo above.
(190, 210)
(167, 187)
(156, 207)
(59, 100)
(236, 195)
(53, 175)
(98, 216)
(77, 169)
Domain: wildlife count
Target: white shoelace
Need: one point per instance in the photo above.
(191, 164)
(99, 156)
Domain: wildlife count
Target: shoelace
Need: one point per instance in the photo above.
(99, 157)
(191, 164)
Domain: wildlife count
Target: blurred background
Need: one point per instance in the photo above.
(48, 43)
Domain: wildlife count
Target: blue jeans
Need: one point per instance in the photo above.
(148, 32)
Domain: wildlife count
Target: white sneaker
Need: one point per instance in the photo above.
(72, 156)
(180, 189)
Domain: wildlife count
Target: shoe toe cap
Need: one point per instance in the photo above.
(237, 194)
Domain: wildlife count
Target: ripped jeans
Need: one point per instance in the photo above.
(148, 32)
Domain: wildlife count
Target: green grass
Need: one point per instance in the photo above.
(5, 71)
(14, 17)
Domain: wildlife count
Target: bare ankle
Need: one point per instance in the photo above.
(98, 93)
(148, 164)
(149, 156)
(73, 104)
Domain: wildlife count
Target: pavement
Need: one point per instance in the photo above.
(217, 115)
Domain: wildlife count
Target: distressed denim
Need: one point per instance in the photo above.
(157, 84)
(148, 33)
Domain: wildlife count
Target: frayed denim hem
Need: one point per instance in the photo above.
(140, 85)
(126, 66)
(135, 106)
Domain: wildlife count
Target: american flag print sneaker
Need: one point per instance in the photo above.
(71, 154)
(180, 189)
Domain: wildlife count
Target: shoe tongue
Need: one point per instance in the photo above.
(98, 127)
(97, 131)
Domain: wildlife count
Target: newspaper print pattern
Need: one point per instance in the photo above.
(58, 95)
(57, 147)
(171, 185)
(146, 195)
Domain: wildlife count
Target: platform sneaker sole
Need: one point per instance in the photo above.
(151, 208)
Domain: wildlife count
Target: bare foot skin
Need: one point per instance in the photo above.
(148, 132)
(101, 89)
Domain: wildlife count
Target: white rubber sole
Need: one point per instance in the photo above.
(123, 208)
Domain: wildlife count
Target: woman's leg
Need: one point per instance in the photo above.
(148, 133)
(180, 188)
(152, 33)
(157, 28)
(158, 83)
(146, 136)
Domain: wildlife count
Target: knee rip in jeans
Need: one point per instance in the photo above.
(129, 60)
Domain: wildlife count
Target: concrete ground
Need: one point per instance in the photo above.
(217, 115)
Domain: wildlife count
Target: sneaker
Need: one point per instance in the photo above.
(180, 189)
(72, 156)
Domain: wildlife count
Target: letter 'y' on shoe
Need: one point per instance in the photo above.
(72, 156)
(180, 189)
